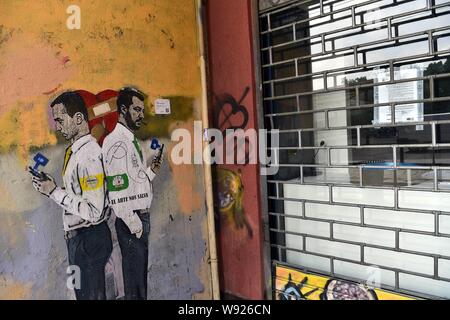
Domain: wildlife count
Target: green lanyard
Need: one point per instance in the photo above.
(138, 148)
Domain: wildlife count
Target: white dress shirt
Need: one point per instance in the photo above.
(83, 197)
(129, 181)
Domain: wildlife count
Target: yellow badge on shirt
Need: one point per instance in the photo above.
(92, 183)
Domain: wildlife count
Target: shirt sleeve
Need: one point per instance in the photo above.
(90, 204)
(150, 174)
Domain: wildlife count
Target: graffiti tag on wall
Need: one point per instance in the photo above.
(230, 114)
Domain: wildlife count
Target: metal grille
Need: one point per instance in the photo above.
(360, 93)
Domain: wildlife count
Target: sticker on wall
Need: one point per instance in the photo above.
(162, 106)
(293, 284)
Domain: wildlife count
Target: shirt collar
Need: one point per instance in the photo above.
(81, 142)
(125, 131)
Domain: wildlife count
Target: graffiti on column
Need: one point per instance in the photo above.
(230, 114)
(230, 193)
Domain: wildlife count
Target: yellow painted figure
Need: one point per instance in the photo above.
(230, 193)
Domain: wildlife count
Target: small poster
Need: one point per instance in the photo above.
(162, 106)
(404, 91)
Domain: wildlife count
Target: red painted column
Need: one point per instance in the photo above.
(231, 72)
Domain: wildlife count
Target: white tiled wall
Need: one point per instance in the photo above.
(399, 219)
(333, 212)
(374, 197)
(425, 285)
(444, 268)
(385, 238)
(306, 192)
(293, 208)
(295, 242)
(315, 228)
(419, 255)
(358, 271)
(444, 224)
(399, 260)
(308, 261)
(333, 248)
(439, 201)
(413, 240)
(425, 244)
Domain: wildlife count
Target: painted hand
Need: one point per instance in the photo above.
(157, 163)
(139, 234)
(43, 182)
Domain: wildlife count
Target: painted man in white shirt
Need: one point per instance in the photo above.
(129, 184)
(83, 197)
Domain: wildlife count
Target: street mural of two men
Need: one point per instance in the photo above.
(104, 173)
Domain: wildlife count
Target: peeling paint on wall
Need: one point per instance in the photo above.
(10, 290)
(145, 43)
(187, 194)
(149, 44)
(160, 125)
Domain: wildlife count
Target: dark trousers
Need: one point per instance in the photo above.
(89, 249)
(134, 258)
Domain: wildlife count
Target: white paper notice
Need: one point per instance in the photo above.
(162, 106)
(398, 92)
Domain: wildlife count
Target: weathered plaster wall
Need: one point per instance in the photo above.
(148, 44)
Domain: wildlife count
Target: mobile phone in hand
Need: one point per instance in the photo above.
(158, 157)
(38, 174)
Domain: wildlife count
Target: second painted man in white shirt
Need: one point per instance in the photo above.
(130, 191)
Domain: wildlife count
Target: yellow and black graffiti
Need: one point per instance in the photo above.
(230, 193)
(292, 284)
